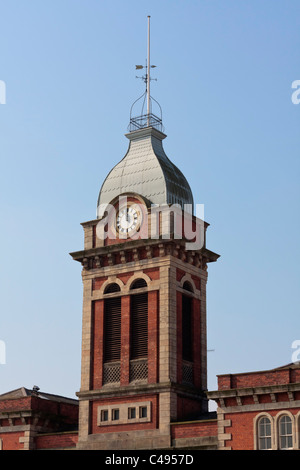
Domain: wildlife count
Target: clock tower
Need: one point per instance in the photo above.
(144, 272)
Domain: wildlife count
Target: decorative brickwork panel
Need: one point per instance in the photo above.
(187, 373)
(138, 370)
(111, 373)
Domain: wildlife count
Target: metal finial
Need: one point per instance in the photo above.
(148, 75)
(148, 119)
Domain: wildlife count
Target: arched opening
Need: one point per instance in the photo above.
(188, 286)
(285, 431)
(111, 288)
(264, 433)
(138, 283)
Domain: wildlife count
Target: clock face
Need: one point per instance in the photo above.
(128, 219)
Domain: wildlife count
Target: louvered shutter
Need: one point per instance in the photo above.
(112, 329)
(187, 336)
(139, 326)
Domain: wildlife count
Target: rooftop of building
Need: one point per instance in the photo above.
(23, 392)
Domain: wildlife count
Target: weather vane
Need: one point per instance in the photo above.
(147, 78)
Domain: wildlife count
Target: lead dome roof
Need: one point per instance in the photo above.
(146, 171)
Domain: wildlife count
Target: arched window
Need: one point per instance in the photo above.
(138, 283)
(264, 433)
(285, 432)
(187, 286)
(114, 287)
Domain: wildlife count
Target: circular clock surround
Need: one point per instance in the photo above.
(128, 219)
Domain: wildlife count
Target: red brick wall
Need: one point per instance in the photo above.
(98, 282)
(196, 429)
(124, 277)
(10, 441)
(241, 430)
(258, 379)
(197, 282)
(187, 407)
(56, 441)
(68, 411)
(179, 274)
(295, 375)
(153, 273)
(16, 404)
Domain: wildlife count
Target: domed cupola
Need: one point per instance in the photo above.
(147, 171)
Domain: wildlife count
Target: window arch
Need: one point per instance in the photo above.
(188, 286)
(114, 287)
(138, 283)
(264, 433)
(285, 432)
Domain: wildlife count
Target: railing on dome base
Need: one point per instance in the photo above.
(146, 120)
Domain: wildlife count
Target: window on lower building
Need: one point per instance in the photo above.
(143, 411)
(104, 415)
(115, 414)
(264, 434)
(131, 413)
(285, 433)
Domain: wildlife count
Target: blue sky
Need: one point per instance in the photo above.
(224, 74)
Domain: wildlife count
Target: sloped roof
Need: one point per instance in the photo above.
(147, 171)
(25, 392)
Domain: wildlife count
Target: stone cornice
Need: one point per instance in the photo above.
(256, 392)
(250, 391)
(135, 250)
(128, 390)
